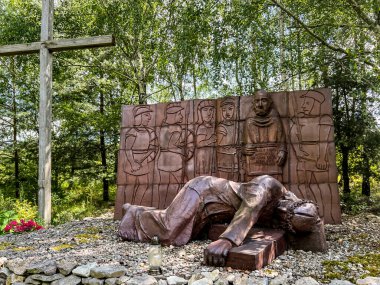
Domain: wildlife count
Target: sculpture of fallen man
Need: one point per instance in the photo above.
(206, 200)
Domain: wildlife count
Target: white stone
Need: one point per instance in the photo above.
(279, 280)
(175, 280)
(69, 280)
(306, 281)
(107, 271)
(369, 281)
(142, 280)
(203, 281)
(84, 270)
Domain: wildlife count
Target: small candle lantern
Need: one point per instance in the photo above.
(155, 257)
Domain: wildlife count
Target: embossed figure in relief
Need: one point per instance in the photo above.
(263, 142)
(227, 142)
(205, 138)
(140, 150)
(207, 199)
(310, 132)
(176, 148)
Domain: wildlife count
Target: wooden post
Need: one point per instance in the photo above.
(45, 113)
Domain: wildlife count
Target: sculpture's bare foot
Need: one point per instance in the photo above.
(127, 229)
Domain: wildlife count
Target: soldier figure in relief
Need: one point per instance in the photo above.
(176, 148)
(227, 140)
(140, 150)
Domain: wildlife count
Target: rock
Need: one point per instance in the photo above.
(231, 278)
(13, 278)
(203, 281)
(369, 281)
(110, 281)
(3, 260)
(122, 280)
(17, 266)
(214, 275)
(4, 273)
(107, 271)
(2, 281)
(30, 280)
(66, 266)
(175, 280)
(48, 267)
(142, 280)
(46, 278)
(162, 282)
(84, 270)
(92, 281)
(194, 278)
(279, 280)
(306, 281)
(340, 282)
(69, 280)
(221, 281)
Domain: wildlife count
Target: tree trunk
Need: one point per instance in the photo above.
(103, 153)
(345, 173)
(366, 174)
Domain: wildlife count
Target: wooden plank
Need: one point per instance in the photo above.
(80, 43)
(58, 45)
(20, 49)
(260, 247)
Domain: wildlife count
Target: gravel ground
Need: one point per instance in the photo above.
(95, 240)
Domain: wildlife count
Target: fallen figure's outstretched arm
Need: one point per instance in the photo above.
(263, 198)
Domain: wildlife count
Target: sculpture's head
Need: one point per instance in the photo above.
(228, 109)
(174, 113)
(206, 110)
(304, 216)
(262, 103)
(311, 105)
(298, 215)
(142, 115)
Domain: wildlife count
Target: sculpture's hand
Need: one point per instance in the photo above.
(322, 164)
(217, 251)
(136, 165)
(281, 157)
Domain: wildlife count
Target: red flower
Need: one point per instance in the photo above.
(22, 226)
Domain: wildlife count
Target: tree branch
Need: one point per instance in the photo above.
(320, 39)
(373, 25)
(306, 28)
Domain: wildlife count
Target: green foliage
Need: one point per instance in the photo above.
(175, 50)
(5, 218)
(80, 202)
(26, 210)
(342, 269)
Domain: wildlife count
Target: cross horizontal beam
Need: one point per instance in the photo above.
(58, 45)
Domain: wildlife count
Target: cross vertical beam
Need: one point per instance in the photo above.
(45, 113)
(46, 47)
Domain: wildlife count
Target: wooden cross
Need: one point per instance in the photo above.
(46, 47)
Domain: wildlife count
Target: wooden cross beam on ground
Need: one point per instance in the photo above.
(46, 47)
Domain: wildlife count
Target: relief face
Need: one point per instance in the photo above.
(288, 135)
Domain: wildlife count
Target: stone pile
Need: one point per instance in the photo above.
(66, 272)
(89, 252)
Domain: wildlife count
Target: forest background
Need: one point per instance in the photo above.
(171, 50)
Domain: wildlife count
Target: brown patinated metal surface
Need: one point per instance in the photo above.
(288, 135)
(205, 200)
